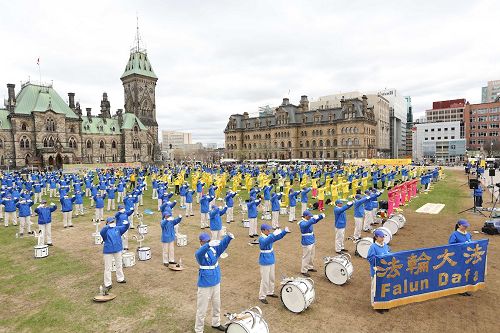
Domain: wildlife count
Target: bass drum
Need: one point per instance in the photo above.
(363, 245)
(401, 218)
(338, 269)
(392, 224)
(249, 321)
(298, 294)
(387, 234)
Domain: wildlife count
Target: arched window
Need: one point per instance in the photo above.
(321, 143)
(88, 144)
(51, 142)
(314, 143)
(72, 129)
(307, 143)
(356, 141)
(334, 142)
(50, 125)
(101, 144)
(136, 129)
(24, 142)
(328, 142)
(289, 144)
(1, 143)
(72, 143)
(24, 127)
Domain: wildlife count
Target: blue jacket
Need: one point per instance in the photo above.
(111, 192)
(205, 203)
(376, 250)
(229, 199)
(340, 216)
(167, 207)
(167, 228)
(24, 208)
(129, 201)
(120, 217)
(112, 238)
(207, 257)
(211, 191)
(303, 194)
(99, 200)
(306, 229)
(359, 207)
(10, 204)
(267, 192)
(189, 196)
(79, 198)
(45, 214)
(266, 256)
(215, 220)
(252, 208)
(275, 202)
(293, 198)
(67, 204)
(458, 237)
(199, 186)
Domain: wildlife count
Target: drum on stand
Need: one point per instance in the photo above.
(128, 259)
(144, 253)
(339, 269)
(142, 229)
(392, 224)
(248, 321)
(401, 218)
(97, 238)
(182, 240)
(297, 294)
(363, 245)
(387, 234)
(41, 251)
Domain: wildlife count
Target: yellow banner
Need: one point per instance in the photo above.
(391, 161)
(74, 168)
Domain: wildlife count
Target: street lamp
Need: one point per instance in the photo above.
(8, 166)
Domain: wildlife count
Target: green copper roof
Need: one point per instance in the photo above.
(4, 121)
(129, 120)
(138, 63)
(40, 98)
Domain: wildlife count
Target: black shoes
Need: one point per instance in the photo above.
(264, 301)
(306, 274)
(124, 281)
(49, 244)
(273, 296)
(221, 328)
(312, 270)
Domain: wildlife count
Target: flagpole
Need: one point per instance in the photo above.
(39, 71)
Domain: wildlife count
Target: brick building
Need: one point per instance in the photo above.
(482, 125)
(451, 110)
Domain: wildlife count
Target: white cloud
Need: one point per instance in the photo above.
(215, 58)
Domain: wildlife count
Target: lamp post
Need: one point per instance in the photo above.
(290, 155)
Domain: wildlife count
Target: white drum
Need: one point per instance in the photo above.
(283, 211)
(363, 245)
(144, 253)
(182, 240)
(339, 269)
(246, 224)
(401, 218)
(41, 251)
(387, 234)
(297, 294)
(128, 259)
(392, 224)
(249, 321)
(97, 238)
(142, 229)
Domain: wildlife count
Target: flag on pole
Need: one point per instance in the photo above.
(38, 61)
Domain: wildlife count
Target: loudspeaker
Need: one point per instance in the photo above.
(473, 183)
(492, 172)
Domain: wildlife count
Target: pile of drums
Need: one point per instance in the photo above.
(390, 227)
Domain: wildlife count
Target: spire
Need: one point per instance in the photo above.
(138, 39)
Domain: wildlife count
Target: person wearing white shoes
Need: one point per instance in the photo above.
(275, 209)
(168, 237)
(24, 207)
(216, 221)
(112, 239)
(267, 260)
(44, 213)
(230, 206)
(189, 202)
(340, 224)
(209, 277)
(67, 210)
(308, 241)
(292, 202)
(359, 210)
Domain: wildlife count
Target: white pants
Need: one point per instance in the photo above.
(253, 227)
(67, 216)
(155, 194)
(198, 197)
(159, 204)
(204, 220)
(183, 200)
(303, 206)
(108, 263)
(111, 204)
(373, 288)
(291, 214)
(308, 252)
(78, 209)
(26, 220)
(52, 192)
(46, 230)
(1, 211)
(229, 214)
(141, 200)
(125, 240)
(37, 198)
(87, 192)
(358, 225)
(168, 252)
(99, 213)
(266, 281)
(91, 201)
(374, 215)
(119, 196)
(275, 215)
(10, 216)
(203, 298)
(267, 205)
(368, 220)
(216, 234)
(131, 221)
(339, 239)
(189, 209)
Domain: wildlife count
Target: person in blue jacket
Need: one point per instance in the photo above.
(340, 224)
(252, 205)
(304, 198)
(24, 207)
(359, 211)
(267, 198)
(79, 203)
(199, 190)
(168, 224)
(216, 221)
(120, 216)
(460, 235)
(204, 209)
(292, 202)
(111, 235)
(378, 248)
(99, 206)
(478, 196)
(308, 241)
(9, 203)
(209, 277)
(44, 213)
(67, 210)
(111, 192)
(229, 199)
(267, 260)
(275, 209)
(130, 202)
(189, 202)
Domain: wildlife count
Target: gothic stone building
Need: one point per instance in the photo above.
(38, 128)
(295, 132)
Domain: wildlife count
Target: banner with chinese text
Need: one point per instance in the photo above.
(422, 274)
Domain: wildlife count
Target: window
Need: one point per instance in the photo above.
(23, 127)
(88, 144)
(72, 143)
(24, 142)
(113, 144)
(1, 143)
(72, 129)
(452, 137)
(50, 125)
(101, 144)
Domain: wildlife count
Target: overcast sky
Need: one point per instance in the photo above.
(216, 58)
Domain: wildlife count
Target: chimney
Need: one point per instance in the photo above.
(286, 101)
(71, 98)
(78, 110)
(304, 103)
(365, 103)
(89, 113)
(119, 114)
(11, 101)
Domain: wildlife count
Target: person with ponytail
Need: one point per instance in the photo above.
(378, 248)
(460, 235)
